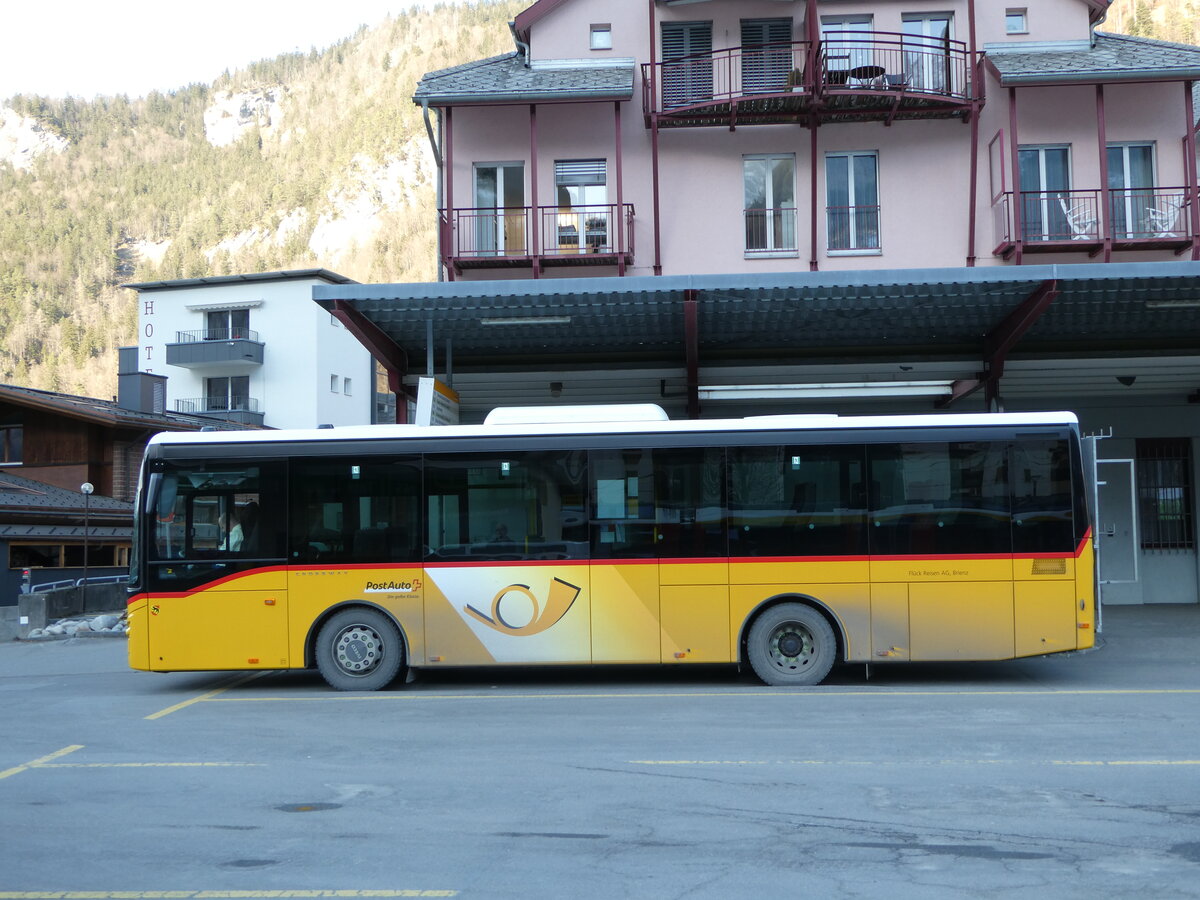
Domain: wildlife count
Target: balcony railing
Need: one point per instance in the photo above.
(771, 230)
(216, 348)
(1057, 221)
(202, 406)
(498, 237)
(216, 334)
(852, 227)
(888, 61)
(854, 74)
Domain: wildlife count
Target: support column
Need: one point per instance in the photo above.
(535, 212)
(1189, 168)
(619, 218)
(654, 141)
(1017, 218)
(451, 219)
(1105, 195)
(975, 72)
(691, 344)
(812, 171)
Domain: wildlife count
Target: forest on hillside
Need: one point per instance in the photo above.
(140, 172)
(1164, 20)
(141, 194)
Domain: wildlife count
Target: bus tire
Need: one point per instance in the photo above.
(359, 649)
(791, 644)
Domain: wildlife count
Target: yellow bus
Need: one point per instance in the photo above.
(782, 543)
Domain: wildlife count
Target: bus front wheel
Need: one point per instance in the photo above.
(791, 644)
(359, 650)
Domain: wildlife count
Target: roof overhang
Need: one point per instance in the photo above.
(1113, 308)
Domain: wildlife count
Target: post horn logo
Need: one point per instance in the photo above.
(562, 595)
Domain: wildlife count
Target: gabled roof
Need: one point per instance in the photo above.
(100, 412)
(1114, 57)
(506, 78)
(24, 495)
(531, 14)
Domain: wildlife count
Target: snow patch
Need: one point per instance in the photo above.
(232, 114)
(22, 139)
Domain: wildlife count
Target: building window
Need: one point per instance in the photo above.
(769, 189)
(583, 213)
(1049, 210)
(346, 386)
(12, 440)
(852, 201)
(334, 384)
(1016, 21)
(687, 66)
(227, 324)
(1164, 486)
(928, 64)
(227, 393)
(601, 37)
(58, 556)
(847, 44)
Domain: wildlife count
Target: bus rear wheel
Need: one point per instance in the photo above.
(791, 644)
(359, 650)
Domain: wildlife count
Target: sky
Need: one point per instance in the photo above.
(87, 47)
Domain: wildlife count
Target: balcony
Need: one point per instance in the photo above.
(234, 408)
(1071, 221)
(497, 238)
(852, 76)
(215, 348)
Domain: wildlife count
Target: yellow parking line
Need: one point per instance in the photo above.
(41, 760)
(212, 895)
(206, 696)
(810, 693)
(147, 765)
(895, 763)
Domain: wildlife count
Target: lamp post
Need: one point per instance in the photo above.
(86, 489)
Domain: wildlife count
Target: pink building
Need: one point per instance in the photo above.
(759, 136)
(740, 207)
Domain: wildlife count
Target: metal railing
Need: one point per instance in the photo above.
(585, 229)
(216, 334)
(771, 230)
(852, 227)
(74, 582)
(202, 405)
(723, 75)
(1134, 214)
(505, 233)
(885, 60)
(917, 65)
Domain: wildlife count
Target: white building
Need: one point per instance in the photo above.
(254, 349)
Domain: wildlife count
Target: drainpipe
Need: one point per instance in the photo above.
(437, 158)
(522, 47)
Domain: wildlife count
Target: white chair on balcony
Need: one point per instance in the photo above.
(1162, 217)
(1081, 219)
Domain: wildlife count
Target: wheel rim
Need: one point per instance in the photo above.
(791, 647)
(358, 650)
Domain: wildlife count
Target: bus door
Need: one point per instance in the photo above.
(216, 580)
(692, 542)
(506, 573)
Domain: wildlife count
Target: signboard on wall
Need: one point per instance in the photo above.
(437, 404)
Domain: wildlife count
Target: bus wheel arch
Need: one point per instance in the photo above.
(791, 639)
(357, 646)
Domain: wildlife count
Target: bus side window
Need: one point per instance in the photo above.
(1041, 496)
(797, 501)
(940, 498)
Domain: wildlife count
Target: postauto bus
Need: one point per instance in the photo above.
(785, 543)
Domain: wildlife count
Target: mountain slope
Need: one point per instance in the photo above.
(304, 160)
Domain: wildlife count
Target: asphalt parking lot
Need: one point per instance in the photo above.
(1068, 776)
